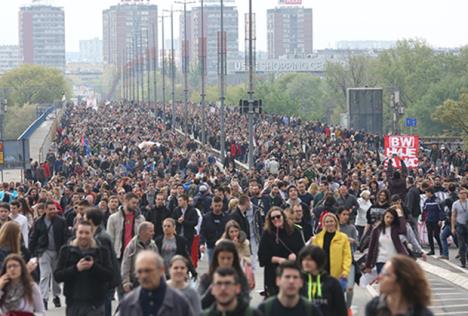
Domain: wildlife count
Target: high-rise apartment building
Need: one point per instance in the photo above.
(42, 35)
(129, 28)
(289, 32)
(212, 27)
(9, 57)
(91, 51)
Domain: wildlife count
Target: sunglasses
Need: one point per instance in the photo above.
(276, 217)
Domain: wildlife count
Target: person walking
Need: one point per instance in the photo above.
(288, 302)
(459, 222)
(85, 269)
(18, 292)
(385, 239)
(404, 290)
(153, 296)
(319, 287)
(280, 241)
(225, 289)
(434, 216)
(49, 234)
(337, 248)
(142, 241)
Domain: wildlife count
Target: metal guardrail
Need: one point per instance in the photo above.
(50, 137)
(35, 125)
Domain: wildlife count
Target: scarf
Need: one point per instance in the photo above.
(13, 298)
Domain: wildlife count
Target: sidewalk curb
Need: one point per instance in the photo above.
(455, 278)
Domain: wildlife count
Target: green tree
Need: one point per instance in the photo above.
(454, 114)
(32, 84)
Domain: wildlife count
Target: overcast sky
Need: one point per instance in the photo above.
(442, 23)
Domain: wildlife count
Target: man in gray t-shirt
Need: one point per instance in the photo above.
(459, 223)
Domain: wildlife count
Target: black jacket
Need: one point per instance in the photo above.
(104, 240)
(39, 238)
(190, 221)
(413, 201)
(240, 310)
(157, 215)
(212, 228)
(280, 246)
(331, 302)
(241, 220)
(88, 286)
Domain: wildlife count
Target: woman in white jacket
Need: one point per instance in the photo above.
(364, 205)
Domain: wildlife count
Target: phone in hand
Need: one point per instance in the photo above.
(88, 258)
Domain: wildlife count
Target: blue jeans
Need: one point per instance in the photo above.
(209, 253)
(444, 235)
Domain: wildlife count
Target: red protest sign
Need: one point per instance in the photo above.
(406, 147)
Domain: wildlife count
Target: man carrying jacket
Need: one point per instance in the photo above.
(49, 234)
(123, 224)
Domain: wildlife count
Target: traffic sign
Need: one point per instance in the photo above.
(410, 122)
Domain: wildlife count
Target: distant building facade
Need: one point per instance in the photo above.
(289, 32)
(128, 28)
(91, 51)
(42, 35)
(9, 58)
(212, 26)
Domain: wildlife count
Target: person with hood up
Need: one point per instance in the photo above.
(337, 248)
(319, 287)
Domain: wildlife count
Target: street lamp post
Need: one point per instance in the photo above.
(163, 55)
(185, 66)
(155, 67)
(222, 58)
(173, 70)
(202, 56)
(251, 88)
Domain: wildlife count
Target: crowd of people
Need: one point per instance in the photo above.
(125, 206)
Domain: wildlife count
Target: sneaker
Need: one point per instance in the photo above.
(45, 304)
(56, 302)
(444, 257)
(430, 253)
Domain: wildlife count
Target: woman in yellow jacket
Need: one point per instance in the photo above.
(337, 247)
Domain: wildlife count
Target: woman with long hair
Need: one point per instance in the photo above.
(18, 292)
(26, 211)
(233, 232)
(10, 242)
(178, 272)
(225, 256)
(385, 239)
(404, 290)
(280, 241)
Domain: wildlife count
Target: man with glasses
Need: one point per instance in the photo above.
(225, 289)
(153, 296)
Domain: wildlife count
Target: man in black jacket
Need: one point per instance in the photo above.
(95, 216)
(413, 202)
(212, 227)
(157, 215)
(240, 216)
(86, 270)
(49, 234)
(186, 218)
